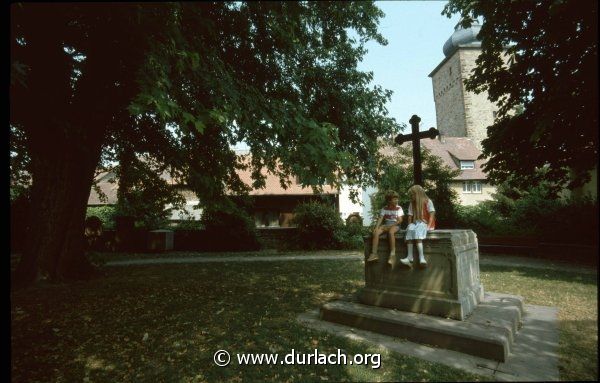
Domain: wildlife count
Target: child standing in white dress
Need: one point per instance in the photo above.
(421, 219)
(390, 218)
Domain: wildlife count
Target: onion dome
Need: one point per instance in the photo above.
(462, 38)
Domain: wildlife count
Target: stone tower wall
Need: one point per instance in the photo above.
(479, 111)
(448, 96)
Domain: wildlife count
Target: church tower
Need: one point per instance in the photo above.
(460, 113)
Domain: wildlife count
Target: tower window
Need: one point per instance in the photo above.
(450, 70)
(494, 114)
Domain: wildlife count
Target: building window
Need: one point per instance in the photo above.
(471, 187)
(450, 70)
(467, 165)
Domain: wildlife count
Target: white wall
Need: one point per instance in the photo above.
(194, 214)
(348, 207)
(366, 212)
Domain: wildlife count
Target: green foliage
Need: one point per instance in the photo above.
(319, 226)
(20, 163)
(182, 83)
(105, 213)
(396, 173)
(537, 212)
(544, 42)
(483, 219)
(350, 236)
(188, 224)
(575, 220)
(229, 228)
(143, 192)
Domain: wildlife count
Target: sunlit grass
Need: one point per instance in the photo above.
(576, 297)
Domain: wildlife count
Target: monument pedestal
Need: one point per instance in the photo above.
(442, 305)
(448, 287)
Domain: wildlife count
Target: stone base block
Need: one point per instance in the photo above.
(451, 308)
(449, 286)
(488, 332)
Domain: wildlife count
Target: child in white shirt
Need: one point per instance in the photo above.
(390, 218)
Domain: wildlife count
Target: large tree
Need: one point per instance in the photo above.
(550, 72)
(182, 83)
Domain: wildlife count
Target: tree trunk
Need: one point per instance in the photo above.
(62, 179)
(65, 123)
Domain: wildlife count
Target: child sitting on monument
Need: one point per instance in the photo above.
(391, 217)
(421, 218)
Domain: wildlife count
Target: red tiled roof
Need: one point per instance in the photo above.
(108, 188)
(272, 187)
(451, 150)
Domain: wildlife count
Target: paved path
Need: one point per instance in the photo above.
(485, 259)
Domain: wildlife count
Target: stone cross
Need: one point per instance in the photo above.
(415, 136)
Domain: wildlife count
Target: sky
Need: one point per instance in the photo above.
(416, 32)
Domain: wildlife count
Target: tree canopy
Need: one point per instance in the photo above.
(182, 83)
(551, 71)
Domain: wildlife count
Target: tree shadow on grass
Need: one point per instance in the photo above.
(164, 323)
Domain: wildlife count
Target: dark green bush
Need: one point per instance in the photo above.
(106, 214)
(188, 225)
(537, 212)
(483, 219)
(319, 226)
(350, 236)
(569, 221)
(229, 230)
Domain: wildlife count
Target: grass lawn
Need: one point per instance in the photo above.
(165, 322)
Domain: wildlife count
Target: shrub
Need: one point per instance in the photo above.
(188, 224)
(350, 236)
(537, 212)
(319, 226)
(227, 229)
(483, 219)
(106, 214)
(570, 221)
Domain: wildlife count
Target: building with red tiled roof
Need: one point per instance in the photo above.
(458, 153)
(273, 204)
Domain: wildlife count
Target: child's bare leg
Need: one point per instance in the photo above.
(392, 238)
(376, 233)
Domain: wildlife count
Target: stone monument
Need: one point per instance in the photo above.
(449, 287)
(443, 305)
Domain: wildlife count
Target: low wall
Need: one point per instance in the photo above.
(276, 238)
